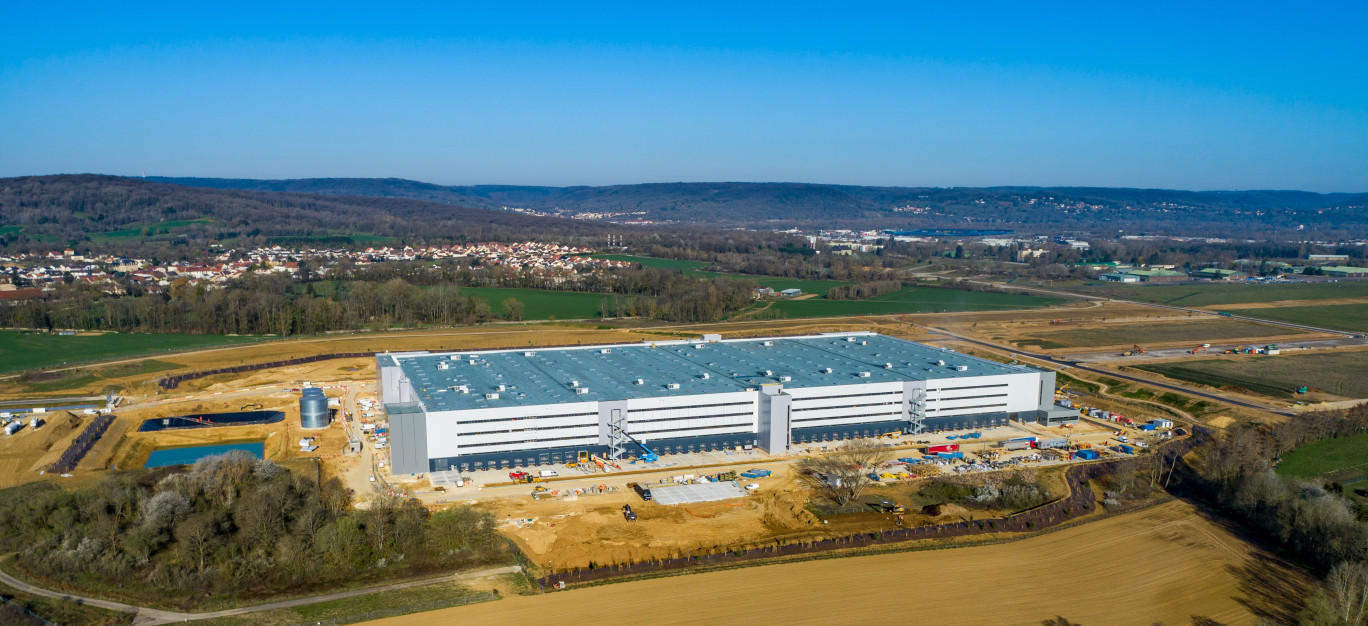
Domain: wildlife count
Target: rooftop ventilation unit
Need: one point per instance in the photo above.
(698, 346)
(769, 343)
(604, 351)
(784, 379)
(460, 388)
(638, 382)
(769, 372)
(941, 362)
(491, 396)
(501, 387)
(826, 370)
(529, 354)
(672, 386)
(961, 368)
(582, 390)
(454, 357)
(443, 366)
(705, 376)
(574, 383)
(864, 343)
(864, 374)
(888, 366)
(850, 339)
(472, 361)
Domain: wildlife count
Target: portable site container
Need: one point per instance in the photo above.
(950, 455)
(1086, 455)
(1125, 448)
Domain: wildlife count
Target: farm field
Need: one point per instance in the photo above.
(1344, 459)
(21, 351)
(910, 300)
(1216, 294)
(1350, 317)
(1178, 567)
(1335, 374)
(1195, 331)
(542, 304)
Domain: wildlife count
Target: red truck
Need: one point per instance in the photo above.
(518, 477)
(949, 447)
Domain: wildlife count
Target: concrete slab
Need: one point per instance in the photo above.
(686, 494)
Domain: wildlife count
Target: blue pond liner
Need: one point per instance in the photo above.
(185, 456)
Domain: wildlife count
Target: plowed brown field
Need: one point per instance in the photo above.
(1168, 563)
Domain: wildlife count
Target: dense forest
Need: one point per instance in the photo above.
(231, 524)
(1034, 209)
(116, 213)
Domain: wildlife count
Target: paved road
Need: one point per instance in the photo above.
(148, 616)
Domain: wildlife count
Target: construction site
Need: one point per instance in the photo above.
(598, 509)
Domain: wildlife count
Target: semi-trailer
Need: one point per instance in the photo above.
(948, 447)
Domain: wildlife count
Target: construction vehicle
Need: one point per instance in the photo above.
(1197, 350)
(649, 456)
(628, 513)
(583, 458)
(893, 435)
(603, 463)
(254, 406)
(1303, 389)
(642, 490)
(1138, 349)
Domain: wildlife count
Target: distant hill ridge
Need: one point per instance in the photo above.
(749, 203)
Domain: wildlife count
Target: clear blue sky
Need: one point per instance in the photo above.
(1230, 96)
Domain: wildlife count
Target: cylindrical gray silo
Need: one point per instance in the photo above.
(313, 408)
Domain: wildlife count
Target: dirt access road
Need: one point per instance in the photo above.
(1168, 563)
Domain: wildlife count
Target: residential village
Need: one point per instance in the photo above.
(25, 276)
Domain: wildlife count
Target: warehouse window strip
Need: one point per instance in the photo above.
(692, 406)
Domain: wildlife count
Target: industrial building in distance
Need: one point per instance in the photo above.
(509, 408)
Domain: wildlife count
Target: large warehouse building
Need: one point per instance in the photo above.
(509, 408)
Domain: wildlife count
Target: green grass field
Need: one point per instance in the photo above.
(159, 228)
(1350, 317)
(1337, 373)
(22, 351)
(647, 261)
(364, 607)
(1196, 331)
(911, 300)
(1342, 459)
(542, 305)
(1216, 294)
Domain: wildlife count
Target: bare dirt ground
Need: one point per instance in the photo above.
(1169, 563)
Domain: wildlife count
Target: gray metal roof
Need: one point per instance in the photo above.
(557, 375)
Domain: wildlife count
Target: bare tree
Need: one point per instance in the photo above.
(843, 475)
(1347, 588)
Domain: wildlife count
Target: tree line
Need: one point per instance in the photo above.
(231, 524)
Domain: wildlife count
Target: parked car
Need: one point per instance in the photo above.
(752, 486)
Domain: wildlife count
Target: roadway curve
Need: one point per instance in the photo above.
(149, 616)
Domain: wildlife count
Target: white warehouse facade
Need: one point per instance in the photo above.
(512, 408)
